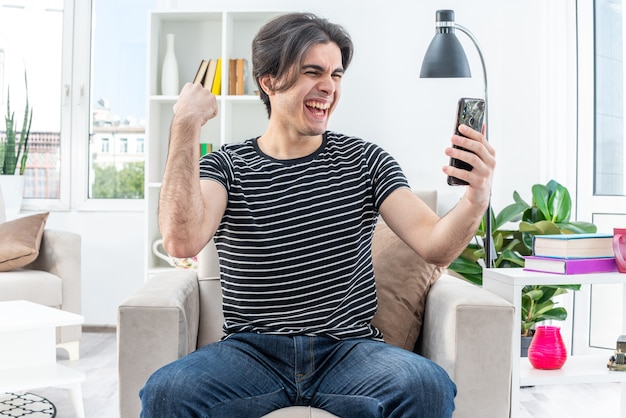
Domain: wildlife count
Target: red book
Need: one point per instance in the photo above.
(569, 265)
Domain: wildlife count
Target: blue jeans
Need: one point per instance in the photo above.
(250, 375)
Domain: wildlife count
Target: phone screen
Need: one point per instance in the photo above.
(470, 112)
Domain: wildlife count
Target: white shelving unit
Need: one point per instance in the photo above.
(198, 35)
(508, 283)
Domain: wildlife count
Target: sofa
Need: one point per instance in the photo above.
(462, 327)
(51, 274)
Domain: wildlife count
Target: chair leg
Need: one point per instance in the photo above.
(72, 348)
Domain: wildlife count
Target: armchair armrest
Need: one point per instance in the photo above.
(468, 331)
(156, 325)
(60, 254)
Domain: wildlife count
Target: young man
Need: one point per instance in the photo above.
(292, 213)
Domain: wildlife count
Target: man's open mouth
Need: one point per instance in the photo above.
(317, 108)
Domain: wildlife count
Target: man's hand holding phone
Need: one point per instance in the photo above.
(471, 149)
(471, 113)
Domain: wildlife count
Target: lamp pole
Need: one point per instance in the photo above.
(447, 59)
(490, 251)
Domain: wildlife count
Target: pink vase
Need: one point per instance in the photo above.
(547, 350)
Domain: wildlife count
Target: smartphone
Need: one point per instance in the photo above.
(470, 112)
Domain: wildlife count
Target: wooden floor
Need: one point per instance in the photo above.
(98, 361)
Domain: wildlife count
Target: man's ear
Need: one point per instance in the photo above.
(267, 84)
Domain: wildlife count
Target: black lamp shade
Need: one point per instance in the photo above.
(445, 57)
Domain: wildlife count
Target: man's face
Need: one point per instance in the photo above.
(305, 108)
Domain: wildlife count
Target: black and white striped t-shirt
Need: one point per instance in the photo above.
(295, 241)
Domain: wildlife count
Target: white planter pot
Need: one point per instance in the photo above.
(12, 190)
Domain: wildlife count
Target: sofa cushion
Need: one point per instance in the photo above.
(20, 240)
(403, 279)
(31, 285)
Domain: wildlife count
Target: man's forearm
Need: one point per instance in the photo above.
(458, 227)
(180, 200)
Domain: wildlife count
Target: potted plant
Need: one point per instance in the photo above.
(14, 154)
(548, 213)
(14, 146)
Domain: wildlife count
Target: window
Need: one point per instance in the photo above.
(31, 70)
(609, 150)
(86, 86)
(124, 145)
(118, 97)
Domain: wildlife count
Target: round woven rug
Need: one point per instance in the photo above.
(25, 405)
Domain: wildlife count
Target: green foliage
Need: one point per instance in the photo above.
(13, 150)
(549, 213)
(538, 305)
(127, 183)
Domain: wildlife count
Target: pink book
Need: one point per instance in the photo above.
(570, 265)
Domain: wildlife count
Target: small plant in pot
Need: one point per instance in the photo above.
(548, 213)
(14, 145)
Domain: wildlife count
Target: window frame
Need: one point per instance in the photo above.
(76, 119)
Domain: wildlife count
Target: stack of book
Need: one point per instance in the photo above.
(572, 254)
(209, 74)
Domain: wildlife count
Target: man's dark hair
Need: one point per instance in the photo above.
(279, 48)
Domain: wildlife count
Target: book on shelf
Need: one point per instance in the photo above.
(216, 87)
(210, 74)
(205, 74)
(237, 73)
(199, 78)
(205, 148)
(569, 265)
(595, 245)
(232, 77)
(242, 63)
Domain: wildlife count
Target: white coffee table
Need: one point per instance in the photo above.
(28, 350)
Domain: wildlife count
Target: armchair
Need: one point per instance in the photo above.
(52, 279)
(466, 329)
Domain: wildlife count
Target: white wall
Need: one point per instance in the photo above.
(384, 101)
(112, 258)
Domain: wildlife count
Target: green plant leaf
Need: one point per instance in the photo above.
(14, 152)
(563, 288)
(534, 294)
(540, 228)
(471, 271)
(510, 213)
(552, 185)
(577, 227)
(463, 266)
(541, 199)
(560, 205)
(548, 294)
(518, 199)
(555, 314)
(511, 257)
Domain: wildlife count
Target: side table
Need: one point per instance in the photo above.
(508, 283)
(28, 350)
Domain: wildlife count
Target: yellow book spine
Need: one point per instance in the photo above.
(216, 89)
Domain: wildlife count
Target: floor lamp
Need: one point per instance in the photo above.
(446, 58)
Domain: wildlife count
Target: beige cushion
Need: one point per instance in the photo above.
(20, 240)
(403, 279)
(35, 286)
